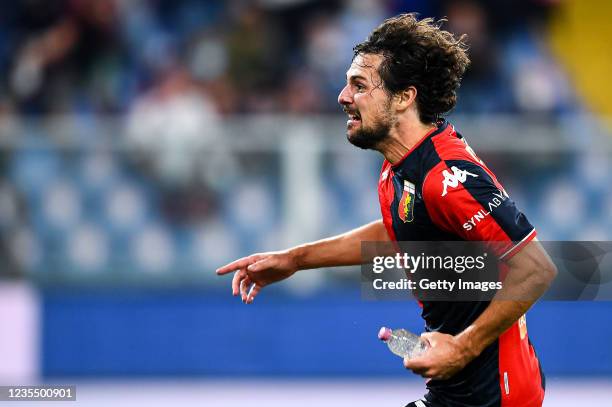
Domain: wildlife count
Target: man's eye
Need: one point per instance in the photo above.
(359, 87)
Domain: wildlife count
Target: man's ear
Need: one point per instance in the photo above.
(405, 99)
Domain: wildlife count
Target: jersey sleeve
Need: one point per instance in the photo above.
(464, 198)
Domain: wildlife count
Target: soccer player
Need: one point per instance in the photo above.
(432, 187)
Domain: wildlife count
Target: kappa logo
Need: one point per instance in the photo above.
(453, 180)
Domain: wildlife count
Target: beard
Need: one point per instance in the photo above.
(371, 138)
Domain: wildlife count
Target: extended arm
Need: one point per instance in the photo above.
(254, 272)
(341, 250)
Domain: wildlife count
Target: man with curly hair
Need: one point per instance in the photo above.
(401, 82)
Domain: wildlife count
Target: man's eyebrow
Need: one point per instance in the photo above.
(353, 78)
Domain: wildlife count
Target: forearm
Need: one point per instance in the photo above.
(495, 320)
(530, 274)
(341, 250)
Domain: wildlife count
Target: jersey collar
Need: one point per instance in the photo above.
(442, 124)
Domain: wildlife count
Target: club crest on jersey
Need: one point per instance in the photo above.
(405, 209)
(453, 180)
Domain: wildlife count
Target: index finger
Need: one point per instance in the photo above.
(236, 265)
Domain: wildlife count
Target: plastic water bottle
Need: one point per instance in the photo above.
(403, 343)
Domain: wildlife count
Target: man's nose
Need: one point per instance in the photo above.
(344, 98)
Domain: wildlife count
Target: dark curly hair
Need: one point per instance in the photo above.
(419, 53)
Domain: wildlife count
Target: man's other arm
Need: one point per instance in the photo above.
(531, 271)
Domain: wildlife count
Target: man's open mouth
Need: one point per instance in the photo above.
(353, 118)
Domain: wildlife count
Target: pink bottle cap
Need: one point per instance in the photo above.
(384, 334)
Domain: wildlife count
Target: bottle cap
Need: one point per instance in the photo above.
(384, 334)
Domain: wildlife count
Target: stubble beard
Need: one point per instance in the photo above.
(373, 137)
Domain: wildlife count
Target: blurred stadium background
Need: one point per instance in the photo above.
(145, 143)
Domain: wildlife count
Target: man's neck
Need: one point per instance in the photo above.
(404, 136)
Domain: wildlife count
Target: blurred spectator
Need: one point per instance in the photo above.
(171, 126)
(172, 123)
(74, 44)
